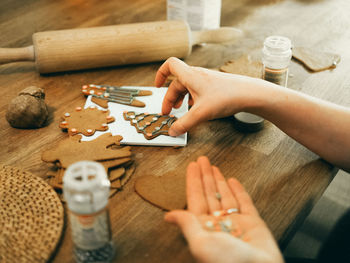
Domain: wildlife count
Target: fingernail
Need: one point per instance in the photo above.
(173, 133)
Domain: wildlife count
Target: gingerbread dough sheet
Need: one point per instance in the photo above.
(153, 105)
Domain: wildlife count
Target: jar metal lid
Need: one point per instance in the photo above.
(247, 122)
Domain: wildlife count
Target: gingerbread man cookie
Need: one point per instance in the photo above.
(71, 150)
(86, 121)
(150, 125)
(106, 149)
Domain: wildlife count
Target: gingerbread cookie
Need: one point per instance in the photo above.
(129, 172)
(243, 66)
(102, 94)
(110, 164)
(86, 121)
(112, 192)
(122, 180)
(56, 179)
(100, 102)
(117, 184)
(105, 149)
(315, 60)
(115, 174)
(118, 175)
(167, 192)
(71, 150)
(150, 125)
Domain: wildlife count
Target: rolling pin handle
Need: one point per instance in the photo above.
(220, 35)
(8, 55)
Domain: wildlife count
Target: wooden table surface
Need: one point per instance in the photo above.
(283, 177)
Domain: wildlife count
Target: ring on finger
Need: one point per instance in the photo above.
(232, 210)
(225, 212)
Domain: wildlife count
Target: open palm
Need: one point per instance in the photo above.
(221, 223)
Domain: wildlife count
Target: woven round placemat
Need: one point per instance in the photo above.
(31, 217)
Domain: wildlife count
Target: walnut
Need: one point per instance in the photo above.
(28, 109)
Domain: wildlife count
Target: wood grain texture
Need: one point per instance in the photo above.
(93, 47)
(284, 179)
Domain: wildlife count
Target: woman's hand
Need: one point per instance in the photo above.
(222, 224)
(212, 94)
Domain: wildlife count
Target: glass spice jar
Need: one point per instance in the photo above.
(276, 57)
(86, 190)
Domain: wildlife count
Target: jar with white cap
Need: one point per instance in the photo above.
(86, 190)
(199, 14)
(276, 57)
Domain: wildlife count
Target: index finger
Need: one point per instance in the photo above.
(196, 201)
(172, 66)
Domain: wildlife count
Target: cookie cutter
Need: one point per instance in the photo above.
(116, 94)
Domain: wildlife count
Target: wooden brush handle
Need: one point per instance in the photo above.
(8, 55)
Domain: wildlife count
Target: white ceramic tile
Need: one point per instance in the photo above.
(129, 133)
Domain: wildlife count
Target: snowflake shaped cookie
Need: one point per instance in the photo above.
(86, 121)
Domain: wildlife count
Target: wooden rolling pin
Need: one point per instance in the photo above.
(75, 49)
